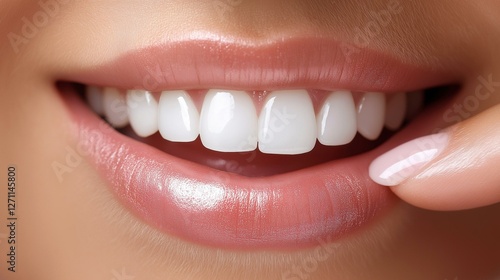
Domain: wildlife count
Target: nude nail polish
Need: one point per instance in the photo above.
(406, 160)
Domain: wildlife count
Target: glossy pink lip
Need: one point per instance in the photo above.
(311, 63)
(216, 208)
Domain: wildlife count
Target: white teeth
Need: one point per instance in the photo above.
(228, 121)
(287, 123)
(395, 111)
(115, 107)
(178, 118)
(415, 104)
(371, 115)
(143, 112)
(337, 119)
(95, 99)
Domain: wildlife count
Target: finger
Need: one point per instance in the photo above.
(453, 170)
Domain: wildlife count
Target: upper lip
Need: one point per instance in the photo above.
(299, 208)
(304, 62)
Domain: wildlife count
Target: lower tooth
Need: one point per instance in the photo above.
(115, 107)
(395, 111)
(371, 115)
(228, 121)
(143, 112)
(337, 119)
(178, 118)
(287, 123)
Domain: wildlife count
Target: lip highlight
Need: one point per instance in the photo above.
(216, 208)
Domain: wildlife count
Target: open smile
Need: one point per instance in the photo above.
(239, 145)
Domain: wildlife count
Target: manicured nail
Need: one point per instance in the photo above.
(405, 161)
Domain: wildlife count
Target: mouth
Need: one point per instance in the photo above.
(250, 146)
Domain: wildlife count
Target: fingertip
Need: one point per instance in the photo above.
(454, 170)
(406, 160)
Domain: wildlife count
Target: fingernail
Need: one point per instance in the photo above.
(405, 161)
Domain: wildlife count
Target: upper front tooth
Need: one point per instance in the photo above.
(115, 107)
(337, 119)
(178, 118)
(95, 99)
(395, 111)
(371, 115)
(287, 123)
(143, 112)
(228, 121)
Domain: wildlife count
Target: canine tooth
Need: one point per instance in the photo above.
(228, 121)
(178, 118)
(143, 112)
(287, 123)
(415, 104)
(95, 99)
(115, 107)
(337, 119)
(395, 111)
(371, 115)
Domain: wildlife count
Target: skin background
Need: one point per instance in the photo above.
(75, 229)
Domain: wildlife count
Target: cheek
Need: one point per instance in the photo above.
(65, 208)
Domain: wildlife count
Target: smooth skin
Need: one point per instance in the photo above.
(76, 229)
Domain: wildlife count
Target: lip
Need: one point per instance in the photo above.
(216, 208)
(218, 62)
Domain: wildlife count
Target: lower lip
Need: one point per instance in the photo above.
(215, 208)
